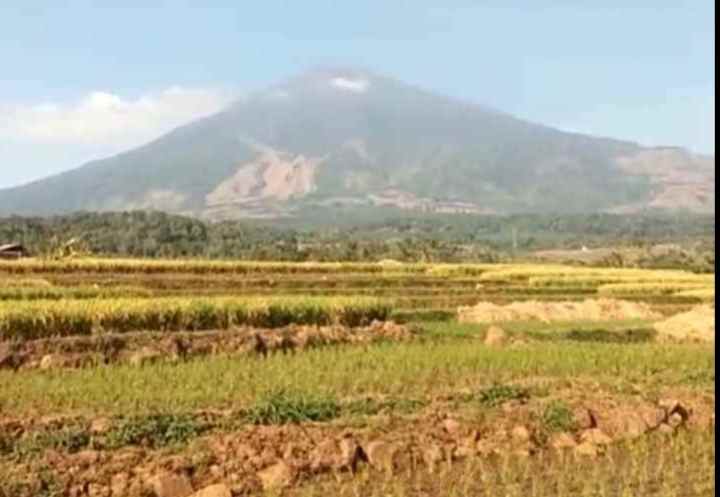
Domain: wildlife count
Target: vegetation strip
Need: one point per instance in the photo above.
(39, 319)
(411, 369)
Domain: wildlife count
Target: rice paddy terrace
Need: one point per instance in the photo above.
(173, 378)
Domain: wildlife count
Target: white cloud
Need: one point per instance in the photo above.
(102, 118)
(355, 85)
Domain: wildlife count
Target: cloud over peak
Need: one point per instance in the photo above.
(104, 118)
(351, 84)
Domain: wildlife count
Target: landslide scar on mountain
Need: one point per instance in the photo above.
(678, 178)
(273, 175)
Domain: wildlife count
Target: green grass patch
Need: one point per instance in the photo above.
(557, 417)
(157, 430)
(497, 395)
(283, 407)
(416, 369)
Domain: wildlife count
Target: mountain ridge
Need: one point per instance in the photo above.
(339, 138)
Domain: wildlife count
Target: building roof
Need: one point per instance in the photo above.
(11, 247)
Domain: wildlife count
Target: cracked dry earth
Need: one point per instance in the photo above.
(251, 459)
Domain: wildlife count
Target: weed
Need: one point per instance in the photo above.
(557, 417)
(498, 394)
(157, 430)
(283, 407)
(69, 438)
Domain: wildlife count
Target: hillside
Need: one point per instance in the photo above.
(348, 139)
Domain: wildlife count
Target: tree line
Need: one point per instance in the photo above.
(431, 238)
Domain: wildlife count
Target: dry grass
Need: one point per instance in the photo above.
(698, 324)
(682, 466)
(591, 310)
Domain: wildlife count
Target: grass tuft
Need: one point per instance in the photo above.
(283, 407)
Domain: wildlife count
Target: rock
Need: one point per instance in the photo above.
(219, 490)
(217, 471)
(586, 449)
(50, 361)
(653, 417)
(495, 337)
(57, 361)
(520, 434)
(144, 356)
(350, 454)
(99, 426)
(561, 441)
(451, 426)
(119, 485)
(381, 455)
(675, 420)
(672, 406)
(595, 436)
(584, 418)
(277, 476)
(171, 485)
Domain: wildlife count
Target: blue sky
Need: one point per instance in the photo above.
(86, 79)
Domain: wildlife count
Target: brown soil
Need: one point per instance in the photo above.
(588, 310)
(145, 347)
(695, 325)
(262, 456)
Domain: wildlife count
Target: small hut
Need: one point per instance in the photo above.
(12, 251)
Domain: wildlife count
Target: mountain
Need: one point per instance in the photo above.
(345, 139)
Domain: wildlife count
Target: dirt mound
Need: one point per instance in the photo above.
(147, 347)
(695, 325)
(589, 310)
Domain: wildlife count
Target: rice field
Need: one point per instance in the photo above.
(95, 365)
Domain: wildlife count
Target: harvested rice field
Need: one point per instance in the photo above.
(173, 378)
